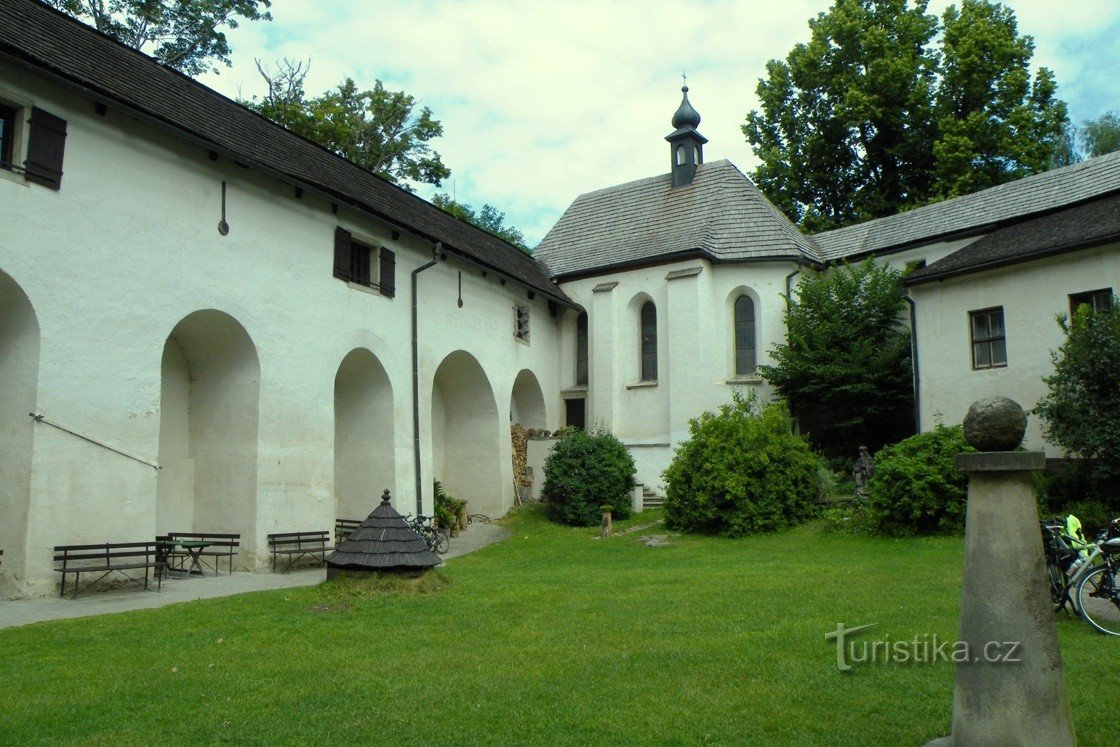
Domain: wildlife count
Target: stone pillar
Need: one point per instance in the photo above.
(1020, 697)
(637, 498)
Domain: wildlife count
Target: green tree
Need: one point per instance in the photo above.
(378, 129)
(869, 118)
(845, 122)
(186, 34)
(489, 219)
(845, 368)
(1081, 410)
(1101, 135)
(995, 124)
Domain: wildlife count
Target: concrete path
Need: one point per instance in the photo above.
(26, 611)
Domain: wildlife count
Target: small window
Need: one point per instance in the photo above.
(1098, 300)
(364, 264)
(581, 349)
(680, 155)
(746, 355)
(521, 322)
(649, 341)
(360, 255)
(989, 343)
(696, 156)
(7, 136)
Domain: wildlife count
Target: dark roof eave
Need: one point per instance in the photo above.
(921, 277)
(637, 264)
(107, 98)
(979, 229)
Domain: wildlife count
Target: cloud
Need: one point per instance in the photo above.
(543, 101)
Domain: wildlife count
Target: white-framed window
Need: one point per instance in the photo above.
(364, 263)
(989, 338)
(746, 352)
(32, 143)
(581, 349)
(648, 332)
(9, 119)
(1098, 300)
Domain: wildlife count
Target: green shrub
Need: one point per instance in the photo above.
(1081, 409)
(585, 471)
(1068, 490)
(917, 488)
(741, 471)
(446, 508)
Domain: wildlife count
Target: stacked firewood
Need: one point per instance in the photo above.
(520, 455)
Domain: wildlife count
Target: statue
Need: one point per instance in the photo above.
(863, 471)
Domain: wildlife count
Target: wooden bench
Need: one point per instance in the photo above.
(107, 558)
(221, 546)
(296, 545)
(343, 528)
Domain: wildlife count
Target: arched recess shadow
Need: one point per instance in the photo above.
(363, 434)
(19, 384)
(526, 404)
(209, 402)
(464, 427)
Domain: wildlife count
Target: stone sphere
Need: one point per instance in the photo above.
(995, 424)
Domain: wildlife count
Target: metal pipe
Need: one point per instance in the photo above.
(437, 249)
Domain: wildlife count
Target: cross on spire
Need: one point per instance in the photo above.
(684, 78)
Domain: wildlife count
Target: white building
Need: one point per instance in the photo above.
(184, 284)
(683, 278)
(210, 324)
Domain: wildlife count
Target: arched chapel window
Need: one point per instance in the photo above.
(746, 355)
(649, 341)
(581, 349)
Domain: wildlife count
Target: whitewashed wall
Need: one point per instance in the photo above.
(129, 247)
(1032, 295)
(695, 349)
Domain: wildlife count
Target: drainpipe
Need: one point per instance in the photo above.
(437, 251)
(789, 301)
(914, 358)
(789, 284)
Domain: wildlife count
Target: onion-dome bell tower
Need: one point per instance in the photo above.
(686, 145)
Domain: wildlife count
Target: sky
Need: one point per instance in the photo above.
(542, 101)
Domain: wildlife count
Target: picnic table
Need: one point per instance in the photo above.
(191, 550)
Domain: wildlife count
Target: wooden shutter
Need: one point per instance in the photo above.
(388, 276)
(341, 253)
(46, 142)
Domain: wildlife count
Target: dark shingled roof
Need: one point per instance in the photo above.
(977, 212)
(51, 41)
(1078, 227)
(383, 542)
(721, 215)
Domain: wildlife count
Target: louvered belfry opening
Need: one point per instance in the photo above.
(383, 543)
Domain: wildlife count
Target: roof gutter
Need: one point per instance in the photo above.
(290, 179)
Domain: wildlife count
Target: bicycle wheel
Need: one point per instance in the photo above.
(442, 544)
(1098, 600)
(1056, 579)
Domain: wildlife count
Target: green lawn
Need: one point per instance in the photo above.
(551, 636)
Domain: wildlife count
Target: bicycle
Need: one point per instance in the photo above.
(1062, 551)
(1098, 591)
(436, 539)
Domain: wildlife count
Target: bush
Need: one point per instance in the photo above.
(1081, 410)
(741, 471)
(1068, 490)
(917, 488)
(585, 471)
(446, 508)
